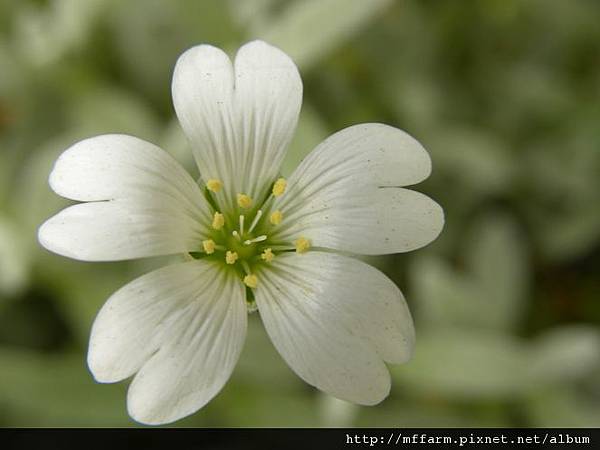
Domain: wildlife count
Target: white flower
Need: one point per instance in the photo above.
(256, 239)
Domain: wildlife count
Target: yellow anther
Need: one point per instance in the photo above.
(209, 246)
(302, 245)
(231, 257)
(279, 187)
(276, 218)
(251, 281)
(218, 221)
(244, 201)
(267, 255)
(214, 185)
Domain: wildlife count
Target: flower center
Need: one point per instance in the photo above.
(241, 239)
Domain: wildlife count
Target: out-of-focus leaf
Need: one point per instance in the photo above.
(564, 186)
(6, 171)
(570, 234)
(337, 413)
(307, 30)
(103, 110)
(469, 365)
(428, 411)
(174, 141)
(259, 353)
(82, 287)
(489, 293)
(148, 44)
(470, 160)
(561, 408)
(496, 257)
(56, 390)
(253, 15)
(444, 297)
(565, 354)
(246, 406)
(46, 34)
(9, 75)
(32, 198)
(310, 132)
(14, 263)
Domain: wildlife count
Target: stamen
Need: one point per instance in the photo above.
(267, 255)
(244, 201)
(255, 221)
(214, 185)
(236, 235)
(260, 238)
(279, 187)
(218, 221)
(231, 257)
(302, 245)
(251, 281)
(276, 218)
(209, 246)
(242, 218)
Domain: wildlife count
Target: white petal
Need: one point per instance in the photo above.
(347, 194)
(334, 320)
(184, 325)
(146, 204)
(239, 118)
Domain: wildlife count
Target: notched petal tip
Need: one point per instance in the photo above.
(437, 220)
(100, 372)
(50, 237)
(377, 394)
(264, 56)
(146, 414)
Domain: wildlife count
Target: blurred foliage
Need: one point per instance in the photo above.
(505, 94)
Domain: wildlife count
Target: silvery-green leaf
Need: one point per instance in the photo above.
(443, 297)
(174, 141)
(329, 27)
(572, 233)
(255, 14)
(487, 292)
(476, 161)
(335, 412)
(431, 411)
(105, 109)
(46, 34)
(565, 353)
(496, 256)
(310, 131)
(562, 408)
(259, 353)
(55, 390)
(465, 365)
(148, 44)
(14, 261)
(32, 188)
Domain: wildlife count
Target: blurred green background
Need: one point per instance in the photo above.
(505, 95)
